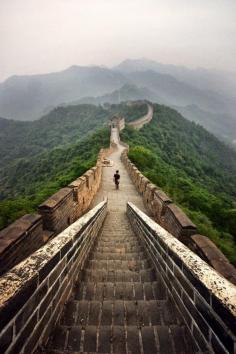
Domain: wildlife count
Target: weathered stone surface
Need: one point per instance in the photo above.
(177, 223)
(208, 251)
(19, 240)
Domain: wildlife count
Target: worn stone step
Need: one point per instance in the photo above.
(120, 340)
(134, 265)
(143, 275)
(120, 290)
(119, 312)
(119, 249)
(118, 256)
(111, 244)
(118, 239)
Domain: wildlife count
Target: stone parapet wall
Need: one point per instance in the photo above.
(33, 293)
(139, 123)
(25, 235)
(209, 252)
(206, 301)
(175, 221)
(57, 210)
(27, 230)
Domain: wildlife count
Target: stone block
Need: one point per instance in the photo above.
(210, 253)
(19, 240)
(177, 223)
(159, 204)
(58, 210)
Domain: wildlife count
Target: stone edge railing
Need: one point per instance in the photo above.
(205, 300)
(28, 233)
(33, 293)
(175, 221)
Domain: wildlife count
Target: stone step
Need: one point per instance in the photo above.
(143, 275)
(118, 243)
(120, 249)
(118, 239)
(118, 256)
(126, 291)
(120, 340)
(119, 312)
(134, 265)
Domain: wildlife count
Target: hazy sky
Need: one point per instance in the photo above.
(39, 36)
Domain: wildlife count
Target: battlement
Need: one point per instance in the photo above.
(27, 234)
(175, 221)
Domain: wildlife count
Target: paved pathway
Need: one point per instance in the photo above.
(120, 306)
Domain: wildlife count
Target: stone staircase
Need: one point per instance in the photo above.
(120, 306)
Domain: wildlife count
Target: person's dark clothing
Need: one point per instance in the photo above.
(116, 178)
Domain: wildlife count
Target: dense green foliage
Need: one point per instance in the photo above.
(61, 126)
(31, 180)
(194, 168)
(37, 158)
(130, 112)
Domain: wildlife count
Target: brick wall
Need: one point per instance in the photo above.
(32, 294)
(174, 220)
(205, 300)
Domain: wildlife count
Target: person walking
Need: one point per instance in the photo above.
(116, 179)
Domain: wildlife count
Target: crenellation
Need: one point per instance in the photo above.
(20, 239)
(177, 223)
(27, 234)
(174, 220)
(208, 251)
(57, 210)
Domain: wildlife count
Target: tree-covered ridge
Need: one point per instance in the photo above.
(131, 112)
(61, 126)
(194, 168)
(31, 180)
(37, 158)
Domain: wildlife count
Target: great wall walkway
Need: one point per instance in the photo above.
(120, 306)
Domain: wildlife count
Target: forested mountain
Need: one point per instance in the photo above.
(127, 92)
(27, 182)
(194, 168)
(29, 97)
(61, 126)
(37, 158)
(220, 124)
(190, 164)
(223, 82)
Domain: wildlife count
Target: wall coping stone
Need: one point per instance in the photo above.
(207, 246)
(56, 199)
(223, 290)
(17, 229)
(182, 218)
(162, 196)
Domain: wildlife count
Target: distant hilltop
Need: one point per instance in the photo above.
(210, 92)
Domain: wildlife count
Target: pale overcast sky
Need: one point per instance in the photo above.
(39, 36)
